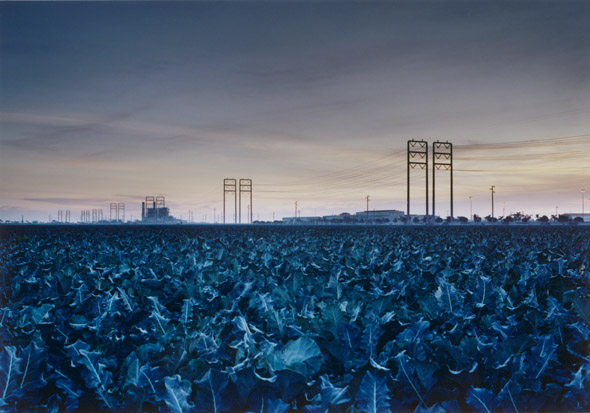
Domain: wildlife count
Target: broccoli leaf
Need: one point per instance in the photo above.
(9, 373)
(482, 400)
(373, 394)
(177, 393)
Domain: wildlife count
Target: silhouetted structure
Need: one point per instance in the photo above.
(153, 209)
(442, 158)
(417, 156)
(245, 187)
(230, 187)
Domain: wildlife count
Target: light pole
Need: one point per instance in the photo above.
(582, 191)
(471, 208)
(493, 192)
(367, 207)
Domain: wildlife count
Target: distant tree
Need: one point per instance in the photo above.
(463, 220)
(448, 219)
(578, 219)
(404, 219)
(416, 220)
(543, 219)
(438, 220)
(507, 220)
(518, 216)
(526, 218)
(476, 218)
(563, 218)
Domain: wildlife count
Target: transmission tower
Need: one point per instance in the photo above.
(60, 215)
(121, 211)
(442, 158)
(113, 212)
(229, 187)
(67, 215)
(245, 187)
(100, 215)
(417, 157)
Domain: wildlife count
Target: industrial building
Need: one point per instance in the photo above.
(154, 209)
(378, 217)
(390, 214)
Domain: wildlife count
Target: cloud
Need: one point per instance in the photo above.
(68, 201)
(12, 209)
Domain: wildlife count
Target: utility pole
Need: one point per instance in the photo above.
(582, 191)
(493, 192)
(295, 209)
(442, 158)
(230, 185)
(504, 210)
(245, 186)
(417, 157)
(471, 208)
(273, 216)
(367, 207)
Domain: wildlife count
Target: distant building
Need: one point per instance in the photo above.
(383, 214)
(154, 209)
(302, 220)
(378, 217)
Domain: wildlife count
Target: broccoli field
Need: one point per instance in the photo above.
(276, 319)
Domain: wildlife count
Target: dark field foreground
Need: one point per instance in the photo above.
(266, 318)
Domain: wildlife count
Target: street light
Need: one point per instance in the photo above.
(493, 192)
(471, 208)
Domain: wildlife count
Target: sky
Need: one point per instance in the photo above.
(314, 101)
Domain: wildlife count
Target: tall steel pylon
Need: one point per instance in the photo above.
(417, 156)
(245, 187)
(230, 186)
(121, 211)
(113, 212)
(442, 158)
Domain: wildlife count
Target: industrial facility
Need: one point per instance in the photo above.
(379, 217)
(154, 209)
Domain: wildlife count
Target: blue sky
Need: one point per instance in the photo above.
(314, 101)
